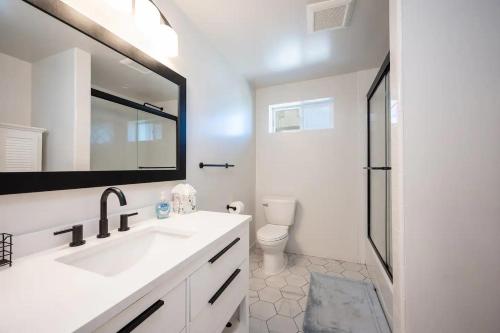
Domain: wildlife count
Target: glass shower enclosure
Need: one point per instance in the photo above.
(379, 167)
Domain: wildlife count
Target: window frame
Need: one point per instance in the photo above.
(274, 108)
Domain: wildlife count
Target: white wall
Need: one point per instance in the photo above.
(393, 295)
(61, 104)
(81, 125)
(450, 84)
(220, 128)
(220, 119)
(323, 169)
(15, 91)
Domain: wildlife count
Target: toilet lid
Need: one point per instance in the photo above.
(271, 232)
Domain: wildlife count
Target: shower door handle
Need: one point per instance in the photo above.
(377, 168)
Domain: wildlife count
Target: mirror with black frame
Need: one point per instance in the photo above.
(70, 103)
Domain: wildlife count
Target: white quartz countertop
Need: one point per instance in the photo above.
(40, 294)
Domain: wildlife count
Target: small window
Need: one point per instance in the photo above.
(306, 115)
(144, 130)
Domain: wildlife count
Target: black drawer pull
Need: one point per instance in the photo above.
(378, 168)
(224, 286)
(142, 317)
(224, 250)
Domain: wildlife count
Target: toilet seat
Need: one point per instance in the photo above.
(272, 233)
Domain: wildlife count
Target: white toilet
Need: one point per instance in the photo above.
(272, 238)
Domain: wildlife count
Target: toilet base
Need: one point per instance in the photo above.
(274, 263)
(274, 255)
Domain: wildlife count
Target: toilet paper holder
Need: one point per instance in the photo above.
(235, 207)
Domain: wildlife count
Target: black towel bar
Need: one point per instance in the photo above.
(226, 165)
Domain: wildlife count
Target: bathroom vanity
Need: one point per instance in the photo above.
(188, 273)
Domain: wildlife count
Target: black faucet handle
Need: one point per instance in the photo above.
(131, 214)
(124, 221)
(77, 235)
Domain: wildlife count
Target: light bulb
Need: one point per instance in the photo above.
(147, 16)
(168, 37)
(123, 6)
(164, 42)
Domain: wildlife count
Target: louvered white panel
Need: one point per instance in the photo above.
(20, 148)
(19, 154)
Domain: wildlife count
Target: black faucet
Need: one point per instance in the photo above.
(103, 221)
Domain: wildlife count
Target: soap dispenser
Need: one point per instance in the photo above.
(163, 207)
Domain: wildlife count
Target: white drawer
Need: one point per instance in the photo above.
(214, 316)
(225, 259)
(152, 314)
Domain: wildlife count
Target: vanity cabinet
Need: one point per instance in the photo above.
(210, 277)
(213, 316)
(213, 288)
(155, 312)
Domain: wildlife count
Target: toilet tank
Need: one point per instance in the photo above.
(279, 210)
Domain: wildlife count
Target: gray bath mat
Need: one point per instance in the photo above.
(337, 305)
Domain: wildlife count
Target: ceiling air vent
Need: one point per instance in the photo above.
(329, 14)
(132, 64)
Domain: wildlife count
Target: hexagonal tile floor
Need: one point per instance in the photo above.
(278, 302)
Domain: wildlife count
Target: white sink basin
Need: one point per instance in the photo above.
(119, 255)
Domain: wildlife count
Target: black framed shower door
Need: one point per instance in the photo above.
(379, 167)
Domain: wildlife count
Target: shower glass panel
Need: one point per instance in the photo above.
(112, 145)
(128, 136)
(154, 135)
(379, 168)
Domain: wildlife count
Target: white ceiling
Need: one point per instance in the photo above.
(267, 40)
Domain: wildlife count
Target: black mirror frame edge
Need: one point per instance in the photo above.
(26, 182)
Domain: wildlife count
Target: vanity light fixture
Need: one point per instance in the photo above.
(150, 21)
(171, 46)
(151, 31)
(147, 17)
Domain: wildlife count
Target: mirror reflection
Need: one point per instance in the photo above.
(69, 103)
